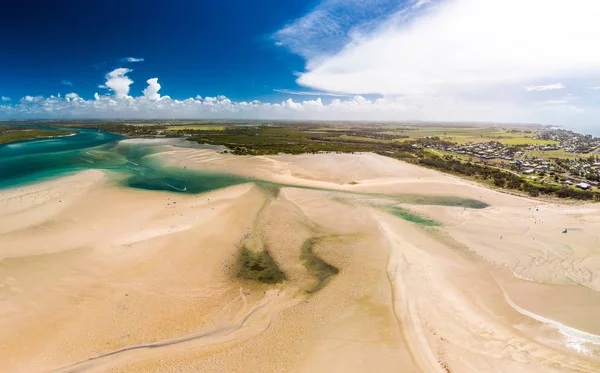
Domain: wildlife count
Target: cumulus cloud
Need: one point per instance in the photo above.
(5, 99)
(132, 59)
(29, 99)
(549, 87)
(118, 82)
(151, 92)
(72, 96)
(67, 83)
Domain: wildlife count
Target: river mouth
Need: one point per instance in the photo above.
(34, 161)
(130, 164)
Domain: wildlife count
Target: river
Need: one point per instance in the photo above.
(32, 161)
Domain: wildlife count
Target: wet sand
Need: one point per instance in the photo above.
(99, 278)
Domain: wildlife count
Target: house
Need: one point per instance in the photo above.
(528, 172)
(583, 186)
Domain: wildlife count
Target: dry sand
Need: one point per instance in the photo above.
(96, 278)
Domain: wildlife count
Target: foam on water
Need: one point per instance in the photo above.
(578, 340)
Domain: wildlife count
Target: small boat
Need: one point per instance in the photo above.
(178, 189)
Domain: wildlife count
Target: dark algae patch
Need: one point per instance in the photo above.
(316, 266)
(259, 266)
(413, 218)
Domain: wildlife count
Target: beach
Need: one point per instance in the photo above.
(97, 277)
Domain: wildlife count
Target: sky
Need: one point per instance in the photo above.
(533, 61)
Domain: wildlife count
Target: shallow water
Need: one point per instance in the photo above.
(33, 161)
(28, 162)
(412, 217)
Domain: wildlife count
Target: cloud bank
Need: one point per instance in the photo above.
(150, 104)
(463, 46)
(478, 53)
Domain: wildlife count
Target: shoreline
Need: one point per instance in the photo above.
(117, 267)
(37, 138)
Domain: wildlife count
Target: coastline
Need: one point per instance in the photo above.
(153, 268)
(36, 138)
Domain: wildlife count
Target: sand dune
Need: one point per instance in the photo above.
(99, 278)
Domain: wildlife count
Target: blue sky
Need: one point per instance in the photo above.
(194, 47)
(442, 60)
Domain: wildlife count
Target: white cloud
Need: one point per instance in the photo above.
(5, 99)
(310, 93)
(28, 99)
(151, 92)
(72, 96)
(118, 82)
(353, 108)
(462, 46)
(110, 106)
(132, 59)
(480, 54)
(332, 24)
(549, 87)
(421, 3)
(67, 83)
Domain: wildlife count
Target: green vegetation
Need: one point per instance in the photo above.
(470, 133)
(14, 134)
(274, 140)
(549, 154)
(258, 266)
(322, 270)
(423, 144)
(358, 138)
(194, 128)
(526, 141)
(413, 218)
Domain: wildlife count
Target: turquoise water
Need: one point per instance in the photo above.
(413, 218)
(33, 161)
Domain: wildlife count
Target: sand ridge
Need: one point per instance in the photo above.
(113, 279)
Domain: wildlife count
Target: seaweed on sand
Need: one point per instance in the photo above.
(317, 266)
(259, 266)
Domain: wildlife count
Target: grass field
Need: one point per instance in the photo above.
(551, 154)
(472, 134)
(358, 138)
(526, 140)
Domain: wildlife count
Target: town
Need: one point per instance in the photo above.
(565, 158)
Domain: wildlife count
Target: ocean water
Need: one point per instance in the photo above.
(27, 162)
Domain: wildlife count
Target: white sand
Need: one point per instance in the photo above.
(112, 280)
